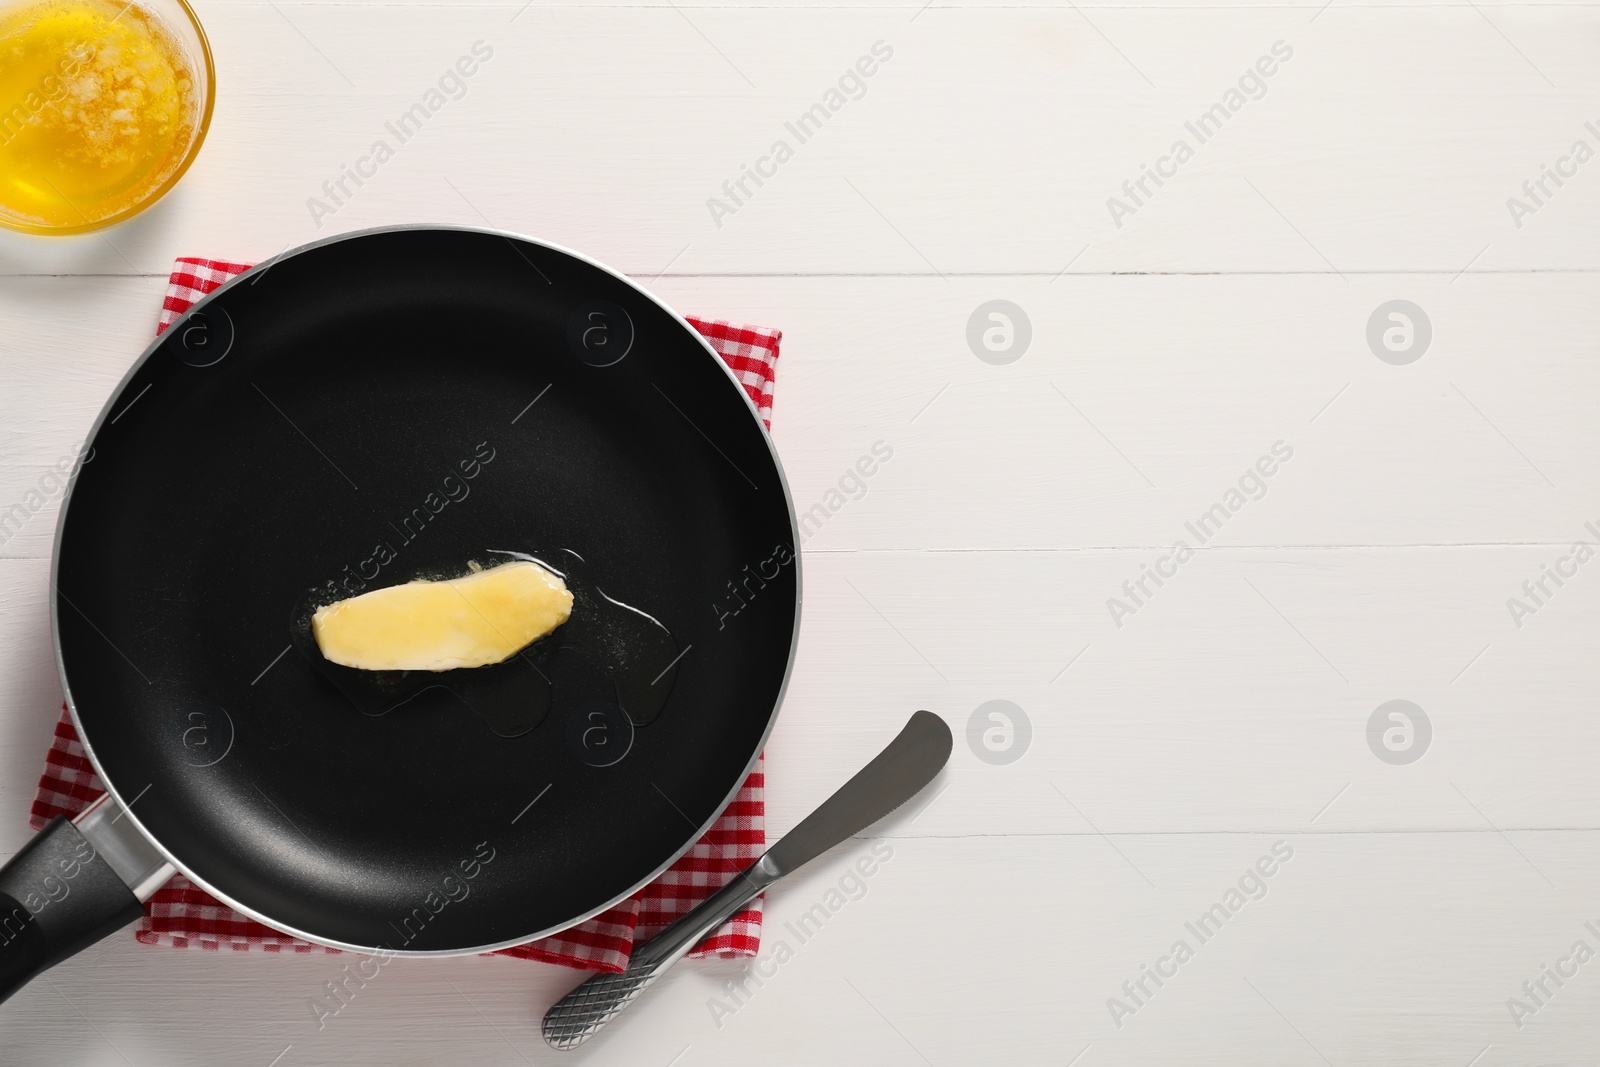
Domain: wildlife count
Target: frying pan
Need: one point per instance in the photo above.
(371, 408)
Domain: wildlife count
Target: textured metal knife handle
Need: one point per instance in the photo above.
(580, 1014)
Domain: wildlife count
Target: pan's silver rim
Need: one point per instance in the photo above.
(788, 670)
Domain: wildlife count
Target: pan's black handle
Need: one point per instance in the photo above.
(58, 896)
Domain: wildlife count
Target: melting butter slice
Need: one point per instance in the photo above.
(484, 618)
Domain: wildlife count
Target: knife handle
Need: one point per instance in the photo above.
(580, 1014)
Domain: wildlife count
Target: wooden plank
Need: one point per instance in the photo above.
(1236, 698)
(958, 951)
(610, 130)
(1139, 405)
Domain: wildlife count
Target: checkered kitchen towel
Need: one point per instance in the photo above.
(184, 916)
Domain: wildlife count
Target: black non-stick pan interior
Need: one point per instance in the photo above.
(369, 398)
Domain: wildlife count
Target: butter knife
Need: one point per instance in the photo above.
(899, 772)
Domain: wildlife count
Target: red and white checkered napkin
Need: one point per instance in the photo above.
(184, 916)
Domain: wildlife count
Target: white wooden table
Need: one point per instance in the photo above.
(1174, 341)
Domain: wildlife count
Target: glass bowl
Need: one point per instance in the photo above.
(56, 110)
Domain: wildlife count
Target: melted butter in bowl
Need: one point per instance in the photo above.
(484, 618)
